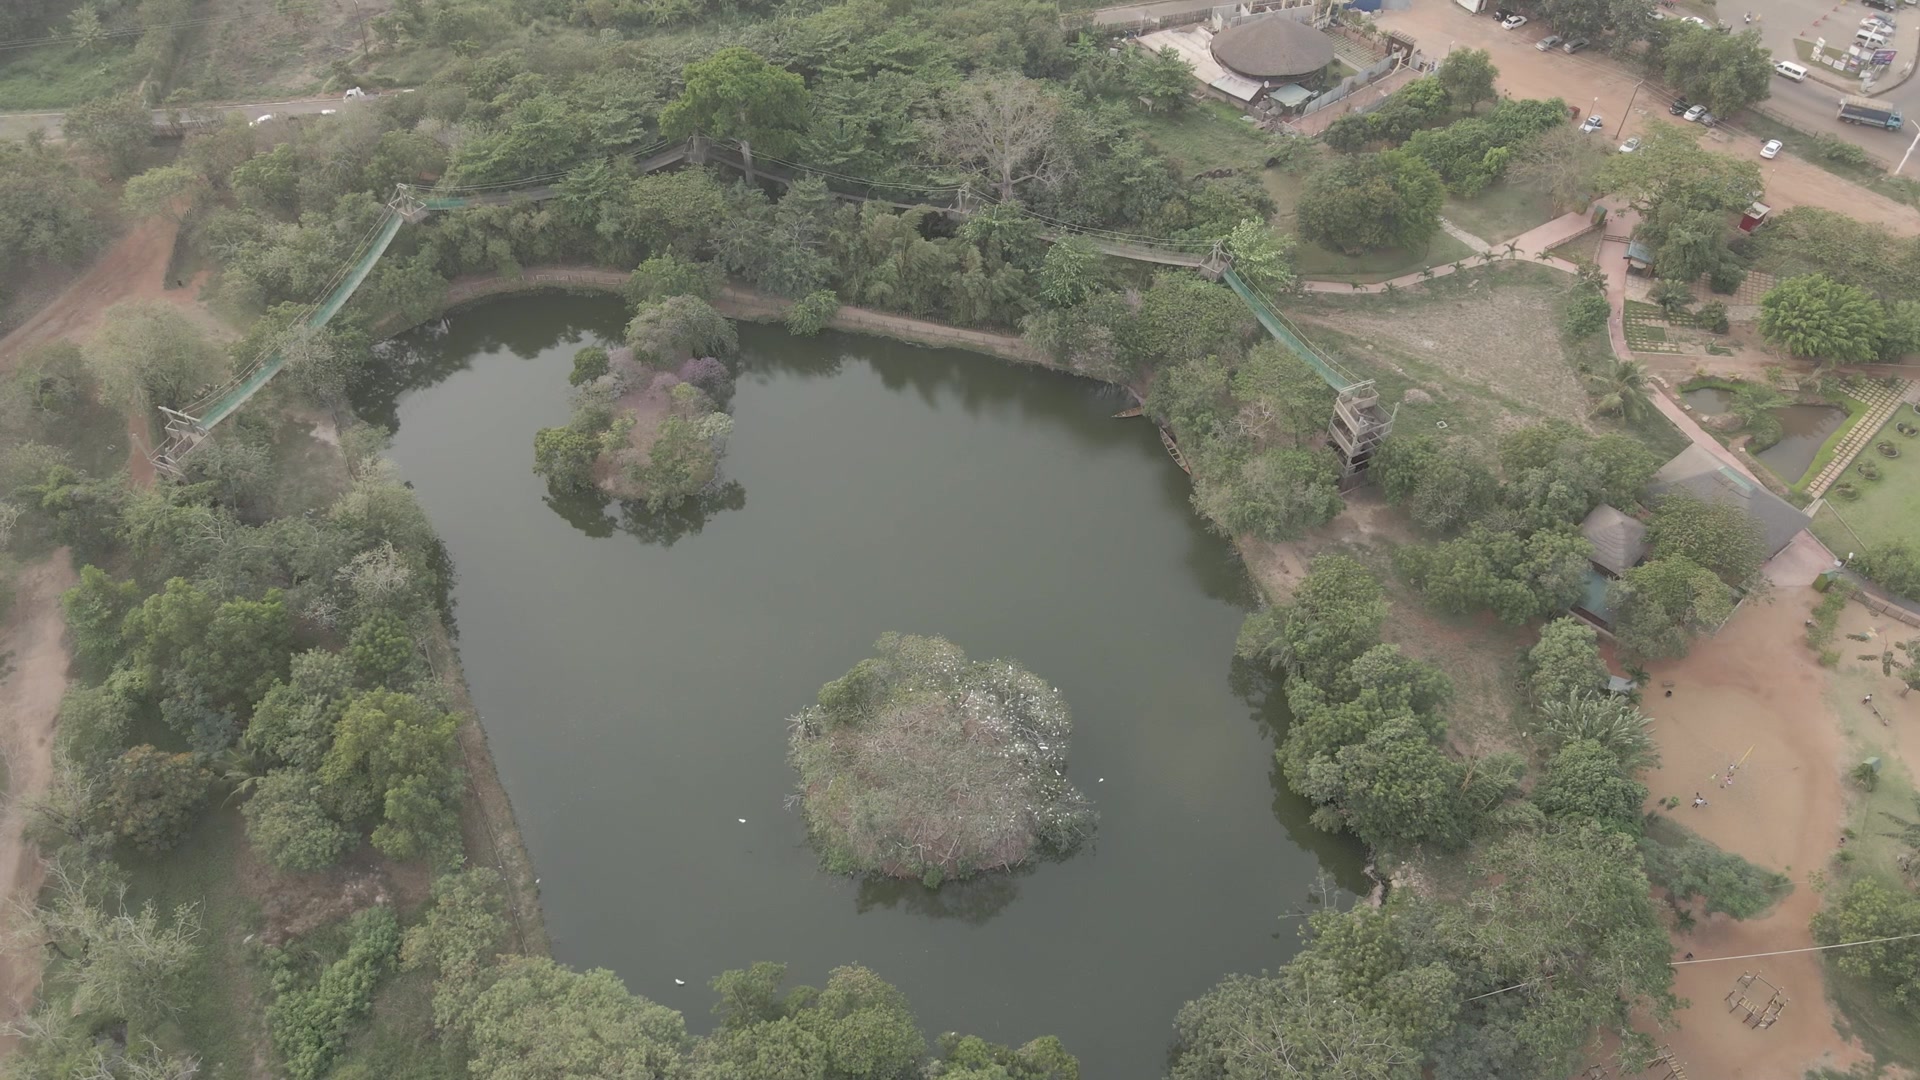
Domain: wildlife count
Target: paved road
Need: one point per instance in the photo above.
(20, 125)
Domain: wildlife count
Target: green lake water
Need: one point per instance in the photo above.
(635, 675)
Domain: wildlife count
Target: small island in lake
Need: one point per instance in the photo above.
(920, 763)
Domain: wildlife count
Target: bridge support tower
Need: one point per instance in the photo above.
(1358, 427)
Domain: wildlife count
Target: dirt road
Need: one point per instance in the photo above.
(133, 268)
(1755, 694)
(29, 699)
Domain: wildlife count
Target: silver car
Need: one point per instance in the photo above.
(1548, 42)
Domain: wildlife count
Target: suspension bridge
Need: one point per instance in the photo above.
(1356, 429)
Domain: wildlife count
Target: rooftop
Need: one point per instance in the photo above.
(1619, 542)
(1273, 47)
(1697, 470)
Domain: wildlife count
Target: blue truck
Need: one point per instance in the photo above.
(1862, 110)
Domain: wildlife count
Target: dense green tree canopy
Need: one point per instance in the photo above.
(1366, 202)
(1725, 72)
(1658, 606)
(1718, 535)
(1565, 661)
(1817, 317)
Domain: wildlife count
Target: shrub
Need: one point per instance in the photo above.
(1672, 296)
(287, 825)
(588, 364)
(1713, 316)
(1726, 278)
(1895, 564)
(152, 795)
(311, 1024)
(811, 313)
(1586, 313)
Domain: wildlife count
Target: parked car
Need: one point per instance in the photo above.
(1708, 119)
(328, 112)
(1630, 145)
(1658, 16)
(1679, 106)
(1548, 42)
(1693, 114)
(354, 92)
(1877, 22)
(1694, 19)
(261, 119)
(1574, 46)
(1593, 123)
(1771, 150)
(1501, 15)
(1513, 22)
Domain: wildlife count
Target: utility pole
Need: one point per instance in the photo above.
(1629, 109)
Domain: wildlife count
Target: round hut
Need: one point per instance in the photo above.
(1273, 48)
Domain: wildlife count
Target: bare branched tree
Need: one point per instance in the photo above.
(1003, 125)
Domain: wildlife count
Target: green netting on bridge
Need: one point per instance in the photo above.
(237, 395)
(1283, 331)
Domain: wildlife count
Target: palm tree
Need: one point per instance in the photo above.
(1611, 720)
(1620, 389)
(1512, 249)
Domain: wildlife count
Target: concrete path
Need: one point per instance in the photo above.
(1528, 245)
(1881, 403)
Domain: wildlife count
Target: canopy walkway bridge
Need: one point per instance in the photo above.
(1357, 427)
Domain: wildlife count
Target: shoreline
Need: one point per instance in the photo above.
(733, 301)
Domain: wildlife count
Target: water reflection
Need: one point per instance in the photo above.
(973, 900)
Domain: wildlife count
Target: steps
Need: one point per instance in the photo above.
(1882, 402)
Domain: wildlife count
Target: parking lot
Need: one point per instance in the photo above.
(1594, 82)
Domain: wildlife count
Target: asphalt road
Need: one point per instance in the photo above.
(20, 125)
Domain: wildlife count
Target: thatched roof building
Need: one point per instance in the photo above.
(1272, 47)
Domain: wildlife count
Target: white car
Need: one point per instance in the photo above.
(1630, 145)
(1514, 22)
(328, 112)
(261, 119)
(1593, 123)
(1694, 19)
(1693, 115)
(354, 93)
(1771, 150)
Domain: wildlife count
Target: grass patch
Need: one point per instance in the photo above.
(1319, 264)
(1502, 211)
(1206, 136)
(220, 1016)
(391, 1043)
(1888, 508)
(1646, 329)
(56, 76)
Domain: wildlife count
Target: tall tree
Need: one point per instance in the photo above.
(150, 353)
(116, 127)
(736, 94)
(538, 1019)
(1726, 72)
(1718, 535)
(1004, 126)
(1563, 160)
(1815, 316)
(1468, 75)
(1659, 606)
(1619, 389)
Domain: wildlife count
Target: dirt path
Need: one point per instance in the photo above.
(1755, 691)
(29, 699)
(134, 268)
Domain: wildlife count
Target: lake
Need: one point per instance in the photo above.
(635, 675)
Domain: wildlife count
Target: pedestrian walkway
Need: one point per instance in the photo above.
(1530, 245)
(1882, 401)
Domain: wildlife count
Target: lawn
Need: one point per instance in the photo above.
(1318, 264)
(1888, 508)
(1501, 212)
(1207, 136)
